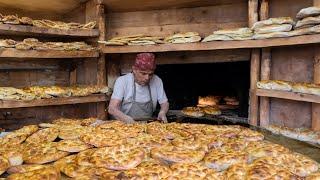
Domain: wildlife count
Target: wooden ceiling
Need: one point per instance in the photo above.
(144, 5)
(64, 6)
(41, 6)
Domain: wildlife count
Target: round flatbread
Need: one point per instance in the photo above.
(221, 161)
(121, 157)
(4, 164)
(103, 138)
(72, 146)
(172, 154)
(192, 171)
(193, 111)
(43, 136)
(25, 168)
(49, 173)
(43, 153)
(149, 170)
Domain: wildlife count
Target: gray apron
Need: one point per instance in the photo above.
(140, 110)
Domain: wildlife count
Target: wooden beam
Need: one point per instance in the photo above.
(53, 101)
(15, 53)
(264, 10)
(216, 45)
(254, 78)
(288, 95)
(265, 75)
(316, 3)
(316, 76)
(253, 17)
(253, 12)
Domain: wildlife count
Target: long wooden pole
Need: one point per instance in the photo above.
(315, 125)
(255, 66)
(265, 69)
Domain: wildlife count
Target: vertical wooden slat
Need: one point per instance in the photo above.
(253, 12)
(254, 77)
(265, 69)
(316, 76)
(255, 66)
(265, 75)
(95, 12)
(315, 125)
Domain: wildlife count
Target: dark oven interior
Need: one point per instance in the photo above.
(184, 83)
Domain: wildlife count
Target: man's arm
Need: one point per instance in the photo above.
(164, 107)
(114, 109)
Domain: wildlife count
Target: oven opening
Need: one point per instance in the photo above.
(225, 85)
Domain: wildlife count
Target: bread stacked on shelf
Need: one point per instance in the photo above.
(308, 21)
(35, 44)
(138, 39)
(306, 88)
(45, 92)
(273, 28)
(301, 134)
(180, 38)
(15, 20)
(231, 101)
(112, 150)
(230, 34)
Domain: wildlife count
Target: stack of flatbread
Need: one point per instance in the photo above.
(35, 44)
(230, 34)
(44, 23)
(273, 28)
(279, 85)
(45, 92)
(139, 39)
(180, 38)
(308, 21)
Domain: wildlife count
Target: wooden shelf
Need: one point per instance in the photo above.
(22, 30)
(288, 95)
(53, 101)
(15, 53)
(216, 45)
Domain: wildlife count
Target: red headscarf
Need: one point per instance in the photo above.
(145, 62)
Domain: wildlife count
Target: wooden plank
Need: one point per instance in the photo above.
(219, 56)
(47, 6)
(216, 45)
(143, 5)
(264, 10)
(254, 77)
(15, 53)
(265, 75)
(288, 95)
(287, 8)
(24, 78)
(53, 101)
(316, 77)
(22, 30)
(203, 20)
(253, 15)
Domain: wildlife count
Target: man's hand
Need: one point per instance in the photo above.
(162, 116)
(129, 120)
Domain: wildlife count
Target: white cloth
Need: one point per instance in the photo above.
(123, 90)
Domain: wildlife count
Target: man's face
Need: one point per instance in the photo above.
(142, 77)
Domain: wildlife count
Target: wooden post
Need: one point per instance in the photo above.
(253, 12)
(254, 77)
(315, 125)
(265, 69)
(95, 11)
(265, 75)
(255, 66)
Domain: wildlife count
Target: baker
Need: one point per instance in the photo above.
(135, 95)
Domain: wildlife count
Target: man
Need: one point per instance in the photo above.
(136, 94)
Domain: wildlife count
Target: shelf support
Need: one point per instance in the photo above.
(95, 11)
(265, 70)
(255, 66)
